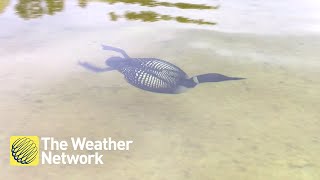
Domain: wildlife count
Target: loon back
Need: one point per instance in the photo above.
(153, 74)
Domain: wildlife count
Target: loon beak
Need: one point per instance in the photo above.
(235, 78)
(215, 77)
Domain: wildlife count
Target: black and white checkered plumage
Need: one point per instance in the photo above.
(153, 74)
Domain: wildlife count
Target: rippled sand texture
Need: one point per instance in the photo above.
(265, 127)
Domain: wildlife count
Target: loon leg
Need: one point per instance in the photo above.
(110, 48)
(94, 68)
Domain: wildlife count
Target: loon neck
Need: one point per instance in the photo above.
(189, 83)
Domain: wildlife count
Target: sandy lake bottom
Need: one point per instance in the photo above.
(264, 127)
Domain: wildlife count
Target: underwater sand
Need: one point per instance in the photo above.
(265, 127)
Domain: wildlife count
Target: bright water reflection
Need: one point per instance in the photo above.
(29, 9)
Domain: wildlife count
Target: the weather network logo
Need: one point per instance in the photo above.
(24, 150)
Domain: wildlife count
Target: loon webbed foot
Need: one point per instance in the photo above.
(94, 68)
(110, 48)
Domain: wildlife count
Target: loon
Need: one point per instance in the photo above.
(153, 74)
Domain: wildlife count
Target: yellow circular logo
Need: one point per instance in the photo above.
(24, 150)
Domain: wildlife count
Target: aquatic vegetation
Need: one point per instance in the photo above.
(197, 21)
(28, 9)
(54, 6)
(153, 3)
(150, 16)
(83, 3)
(3, 5)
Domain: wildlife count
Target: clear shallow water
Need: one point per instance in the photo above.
(265, 127)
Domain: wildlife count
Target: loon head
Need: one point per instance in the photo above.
(115, 62)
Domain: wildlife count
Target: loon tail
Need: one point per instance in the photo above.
(212, 77)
